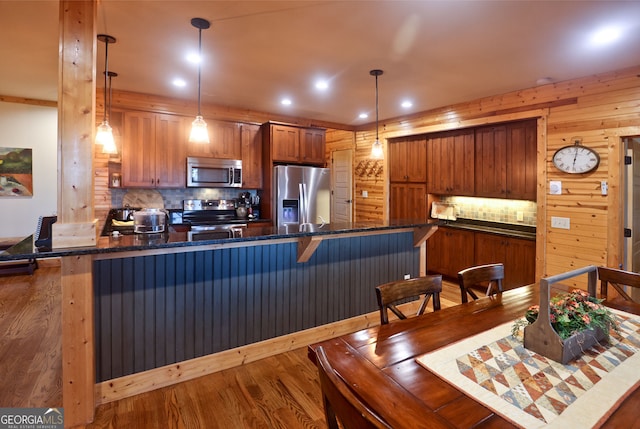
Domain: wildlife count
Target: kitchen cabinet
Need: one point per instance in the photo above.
(251, 156)
(224, 141)
(297, 145)
(450, 163)
(518, 256)
(408, 201)
(154, 150)
(450, 250)
(505, 161)
(408, 160)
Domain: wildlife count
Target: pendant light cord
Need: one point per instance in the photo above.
(377, 139)
(199, 66)
(106, 72)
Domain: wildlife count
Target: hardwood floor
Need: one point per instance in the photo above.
(276, 392)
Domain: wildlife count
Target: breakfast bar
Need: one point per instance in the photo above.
(166, 308)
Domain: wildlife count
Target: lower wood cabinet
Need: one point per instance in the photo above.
(518, 256)
(451, 250)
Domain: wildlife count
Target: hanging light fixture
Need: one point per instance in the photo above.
(104, 134)
(109, 146)
(376, 148)
(199, 133)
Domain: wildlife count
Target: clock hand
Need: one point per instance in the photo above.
(575, 156)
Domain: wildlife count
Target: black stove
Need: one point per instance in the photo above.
(210, 212)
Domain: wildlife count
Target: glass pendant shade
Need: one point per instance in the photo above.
(104, 133)
(199, 132)
(376, 150)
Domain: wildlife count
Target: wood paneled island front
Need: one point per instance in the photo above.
(167, 309)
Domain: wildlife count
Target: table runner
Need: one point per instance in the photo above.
(532, 391)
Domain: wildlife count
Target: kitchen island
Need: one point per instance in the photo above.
(166, 309)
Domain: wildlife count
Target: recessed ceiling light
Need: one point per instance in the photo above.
(322, 85)
(605, 36)
(406, 104)
(544, 81)
(286, 101)
(179, 82)
(363, 116)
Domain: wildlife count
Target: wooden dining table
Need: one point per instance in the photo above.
(379, 363)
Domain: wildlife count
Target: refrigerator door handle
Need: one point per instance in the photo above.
(303, 203)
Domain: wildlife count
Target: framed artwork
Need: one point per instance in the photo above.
(16, 172)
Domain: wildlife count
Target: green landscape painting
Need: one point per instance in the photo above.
(16, 172)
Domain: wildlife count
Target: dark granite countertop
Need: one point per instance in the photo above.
(174, 239)
(499, 228)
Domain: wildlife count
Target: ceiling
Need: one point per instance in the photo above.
(434, 53)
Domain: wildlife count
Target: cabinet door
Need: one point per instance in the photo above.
(491, 161)
(138, 150)
(408, 201)
(520, 262)
(285, 143)
(521, 160)
(225, 140)
(312, 142)
(171, 147)
(449, 251)
(450, 160)
(489, 249)
(251, 156)
(408, 160)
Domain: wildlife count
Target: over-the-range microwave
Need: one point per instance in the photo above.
(213, 173)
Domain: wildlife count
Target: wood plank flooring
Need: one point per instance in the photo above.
(276, 392)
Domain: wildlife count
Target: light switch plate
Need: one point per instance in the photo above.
(555, 187)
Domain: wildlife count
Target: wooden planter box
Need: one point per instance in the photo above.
(540, 337)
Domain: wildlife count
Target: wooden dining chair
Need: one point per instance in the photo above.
(341, 403)
(390, 294)
(486, 278)
(618, 279)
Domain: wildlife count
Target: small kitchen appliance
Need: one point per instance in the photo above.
(149, 221)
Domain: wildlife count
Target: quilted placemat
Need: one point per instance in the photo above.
(532, 391)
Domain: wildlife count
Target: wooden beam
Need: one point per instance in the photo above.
(307, 246)
(76, 121)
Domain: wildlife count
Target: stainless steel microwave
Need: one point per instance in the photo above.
(214, 173)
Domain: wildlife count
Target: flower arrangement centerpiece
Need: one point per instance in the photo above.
(571, 313)
(563, 327)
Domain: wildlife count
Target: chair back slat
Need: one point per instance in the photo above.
(487, 278)
(390, 294)
(619, 279)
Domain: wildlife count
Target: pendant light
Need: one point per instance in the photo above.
(376, 148)
(199, 133)
(104, 134)
(109, 146)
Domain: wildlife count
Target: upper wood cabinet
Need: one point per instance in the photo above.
(505, 161)
(450, 163)
(154, 150)
(224, 141)
(251, 156)
(296, 145)
(408, 160)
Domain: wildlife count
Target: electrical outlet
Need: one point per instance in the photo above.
(604, 187)
(560, 222)
(365, 194)
(407, 276)
(520, 216)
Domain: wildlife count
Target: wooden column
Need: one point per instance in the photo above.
(76, 123)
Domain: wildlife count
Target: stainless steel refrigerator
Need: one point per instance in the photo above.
(302, 196)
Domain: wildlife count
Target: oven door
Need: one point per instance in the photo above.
(215, 232)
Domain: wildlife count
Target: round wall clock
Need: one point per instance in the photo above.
(576, 159)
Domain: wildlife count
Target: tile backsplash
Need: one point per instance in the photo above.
(495, 210)
(173, 197)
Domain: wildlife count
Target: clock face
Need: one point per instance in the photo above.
(576, 159)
